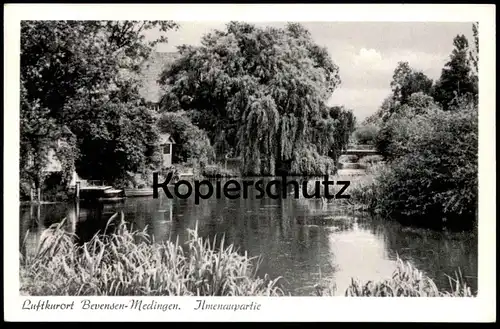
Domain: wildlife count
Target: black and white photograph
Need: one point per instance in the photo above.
(236, 157)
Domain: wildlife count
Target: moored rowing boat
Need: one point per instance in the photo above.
(139, 192)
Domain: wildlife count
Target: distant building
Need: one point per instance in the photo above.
(151, 91)
(54, 164)
(150, 74)
(166, 143)
(52, 175)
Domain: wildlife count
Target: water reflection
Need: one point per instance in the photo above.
(361, 252)
(300, 240)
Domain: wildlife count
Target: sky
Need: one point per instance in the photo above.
(366, 52)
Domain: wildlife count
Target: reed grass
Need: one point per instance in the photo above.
(406, 281)
(127, 263)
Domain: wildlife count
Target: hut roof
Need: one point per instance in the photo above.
(166, 138)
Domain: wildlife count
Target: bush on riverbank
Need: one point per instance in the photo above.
(53, 188)
(311, 163)
(431, 177)
(371, 159)
(351, 158)
(126, 263)
(363, 190)
(218, 171)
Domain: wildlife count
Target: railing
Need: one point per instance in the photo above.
(92, 182)
(361, 147)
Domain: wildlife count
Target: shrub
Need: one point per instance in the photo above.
(366, 134)
(433, 172)
(364, 190)
(24, 189)
(309, 162)
(392, 138)
(348, 158)
(371, 159)
(218, 171)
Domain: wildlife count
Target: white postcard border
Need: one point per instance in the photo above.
(317, 309)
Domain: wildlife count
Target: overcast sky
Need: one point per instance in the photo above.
(365, 52)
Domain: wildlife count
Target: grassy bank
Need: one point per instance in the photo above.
(126, 263)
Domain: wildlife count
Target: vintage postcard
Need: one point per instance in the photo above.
(249, 163)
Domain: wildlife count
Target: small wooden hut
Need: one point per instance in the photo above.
(166, 143)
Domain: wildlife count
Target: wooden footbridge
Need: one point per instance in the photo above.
(360, 153)
(360, 150)
(354, 167)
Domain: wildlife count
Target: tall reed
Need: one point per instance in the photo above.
(128, 263)
(408, 281)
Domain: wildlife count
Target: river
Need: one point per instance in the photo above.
(302, 240)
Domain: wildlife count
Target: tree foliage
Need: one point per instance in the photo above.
(407, 81)
(115, 139)
(192, 144)
(82, 75)
(457, 79)
(366, 134)
(429, 139)
(39, 134)
(474, 52)
(259, 93)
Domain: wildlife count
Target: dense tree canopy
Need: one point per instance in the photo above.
(259, 93)
(408, 86)
(82, 75)
(457, 77)
(474, 53)
(407, 81)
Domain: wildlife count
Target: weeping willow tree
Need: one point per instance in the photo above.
(260, 93)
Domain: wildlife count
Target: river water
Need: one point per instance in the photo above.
(302, 240)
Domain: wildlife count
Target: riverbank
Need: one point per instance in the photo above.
(128, 263)
(375, 193)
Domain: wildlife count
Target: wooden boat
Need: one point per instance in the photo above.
(92, 192)
(111, 199)
(112, 193)
(142, 192)
(100, 193)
